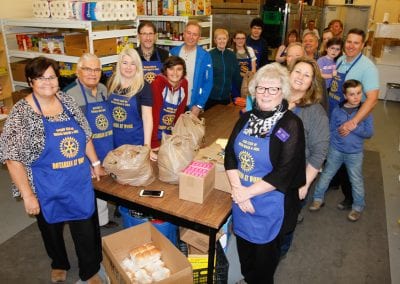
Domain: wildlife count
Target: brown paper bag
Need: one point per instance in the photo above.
(244, 90)
(188, 124)
(176, 152)
(130, 164)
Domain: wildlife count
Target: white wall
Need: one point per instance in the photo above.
(15, 8)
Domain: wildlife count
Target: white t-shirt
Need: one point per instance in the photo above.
(190, 60)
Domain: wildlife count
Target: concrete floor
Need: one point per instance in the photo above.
(386, 141)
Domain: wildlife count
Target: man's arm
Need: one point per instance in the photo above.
(362, 113)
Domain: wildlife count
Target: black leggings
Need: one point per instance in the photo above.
(87, 240)
(258, 262)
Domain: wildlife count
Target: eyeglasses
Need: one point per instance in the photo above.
(45, 79)
(90, 70)
(271, 90)
(241, 38)
(147, 34)
(335, 48)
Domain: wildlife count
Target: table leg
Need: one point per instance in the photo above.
(211, 255)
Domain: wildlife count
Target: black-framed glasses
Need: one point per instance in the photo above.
(147, 34)
(271, 90)
(90, 70)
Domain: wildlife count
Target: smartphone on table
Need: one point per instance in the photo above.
(151, 193)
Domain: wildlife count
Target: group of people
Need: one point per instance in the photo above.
(54, 141)
(324, 131)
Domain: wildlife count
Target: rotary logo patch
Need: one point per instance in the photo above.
(101, 122)
(119, 114)
(246, 161)
(168, 119)
(69, 147)
(149, 77)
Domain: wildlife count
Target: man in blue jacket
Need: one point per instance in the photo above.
(198, 67)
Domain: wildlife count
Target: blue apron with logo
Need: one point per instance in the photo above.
(61, 174)
(127, 122)
(100, 120)
(264, 225)
(335, 91)
(152, 68)
(167, 115)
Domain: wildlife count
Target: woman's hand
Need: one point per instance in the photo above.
(303, 191)
(246, 206)
(97, 172)
(240, 194)
(31, 204)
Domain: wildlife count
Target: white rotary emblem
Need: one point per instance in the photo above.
(246, 161)
(101, 122)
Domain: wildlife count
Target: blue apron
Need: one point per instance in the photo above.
(335, 91)
(264, 225)
(61, 174)
(152, 68)
(167, 115)
(258, 50)
(99, 117)
(127, 122)
(244, 66)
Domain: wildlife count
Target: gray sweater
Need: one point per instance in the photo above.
(316, 129)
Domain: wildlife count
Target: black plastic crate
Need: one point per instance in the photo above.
(220, 270)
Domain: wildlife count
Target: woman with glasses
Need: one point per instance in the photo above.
(305, 101)
(246, 58)
(131, 102)
(47, 147)
(265, 163)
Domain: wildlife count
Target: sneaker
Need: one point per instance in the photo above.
(58, 275)
(316, 205)
(354, 215)
(110, 225)
(344, 205)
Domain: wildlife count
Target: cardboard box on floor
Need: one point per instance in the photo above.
(116, 247)
(195, 240)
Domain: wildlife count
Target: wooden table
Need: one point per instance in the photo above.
(207, 217)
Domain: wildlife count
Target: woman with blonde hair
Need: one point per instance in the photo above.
(130, 101)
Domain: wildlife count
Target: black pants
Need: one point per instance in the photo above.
(342, 178)
(87, 240)
(258, 262)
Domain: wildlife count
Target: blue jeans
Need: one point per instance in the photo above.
(353, 163)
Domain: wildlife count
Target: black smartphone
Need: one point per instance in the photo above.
(151, 193)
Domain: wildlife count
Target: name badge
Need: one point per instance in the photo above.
(282, 135)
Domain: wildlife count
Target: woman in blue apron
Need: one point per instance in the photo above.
(169, 98)
(130, 102)
(265, 163)
(247, 61)
(152, 56)
(52, 173)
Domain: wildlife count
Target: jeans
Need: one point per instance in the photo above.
(353, 163)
